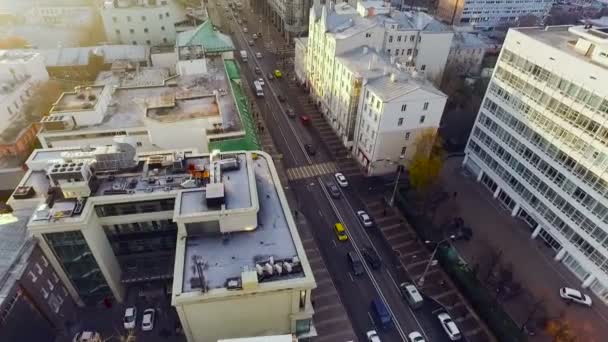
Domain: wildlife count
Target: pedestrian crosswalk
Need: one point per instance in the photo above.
(310, 171)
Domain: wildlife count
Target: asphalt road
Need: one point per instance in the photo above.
(289, 135)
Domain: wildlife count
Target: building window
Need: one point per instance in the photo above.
(422, 118)
(423, 67)
(403, 149)
(403, 107)
(303, 326)
(10, 111)
(162, 28)
(164, 40)
(143, 18)
(407, 136)
(409, 52)
(400, 122)
(398, 38)
(145, 30)
(160, 16)
(114, 19)
(396, 52)
(167, 15)
(45, 293)
(302, 300)
(412, 38)
(134, 42)
(51, 286)
(33, 276)
(388, 51)
(129, 18)
(425, 106)
(390, 39)
(368, 35)
(132, 31)
(38, 268)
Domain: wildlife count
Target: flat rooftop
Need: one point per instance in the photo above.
(12, 57)
(226, 256)
(84, 99)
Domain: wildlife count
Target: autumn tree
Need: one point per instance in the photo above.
(427, 161)
(560, 331)
(13, 42)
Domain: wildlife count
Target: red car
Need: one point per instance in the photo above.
(305, 119)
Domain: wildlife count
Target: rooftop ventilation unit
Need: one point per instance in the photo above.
(214, 194)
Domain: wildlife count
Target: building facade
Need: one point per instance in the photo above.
(214, 230)
(488, 14)
(141, 22)
(467, 53)
(290, 17)
(540, 142)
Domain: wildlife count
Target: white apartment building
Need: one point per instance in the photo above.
(540, 142)
(158, 110)
(487, 14)
(215, 228)
(467, 53)
(141, 22)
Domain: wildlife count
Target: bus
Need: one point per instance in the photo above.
(259, 92)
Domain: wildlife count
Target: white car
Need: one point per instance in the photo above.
(366, 221)
(575, 296)
(415, 336)
(147, 321)
(372, 336)
(449, 326)
(130, 317)
(342, 182)
(258, 55)
(245, 30)
(261, 82)
(87, 336)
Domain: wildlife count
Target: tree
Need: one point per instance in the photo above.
(13, 42)
(427, 161)
(560, 331)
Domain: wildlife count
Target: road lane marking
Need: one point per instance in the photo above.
(351, 277)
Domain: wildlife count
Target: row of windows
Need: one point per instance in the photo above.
(508, 141)
(579, 94)
(541, 209)
(143, 17)
(575, 118)
(574, 143)
(117, 230)
(132, 31)
(412, 38)
(128, 208)
(550, 151)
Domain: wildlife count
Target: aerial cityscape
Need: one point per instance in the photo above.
(303, 170)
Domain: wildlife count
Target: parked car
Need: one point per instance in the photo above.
(130, 317)
(411, 294)
(282, 98)
(333, 190)
(250, 43)
(372, 257)
(270, 76)
(576, 296)
(355, 263)
(278, 73)
(258, 55)
(245, 30)
(87, 336)
(147, 321)
(342, 182)
(365, 219)
(258, 71)
(310, 149)
(449, 326)
(372, 336)
(415, 336)
(305, 119)
(261, 82)
(254, 36)
(290, 113)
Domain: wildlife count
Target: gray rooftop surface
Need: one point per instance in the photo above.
(227, 256)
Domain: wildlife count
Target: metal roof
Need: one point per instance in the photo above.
(205, 36)
(80, 55)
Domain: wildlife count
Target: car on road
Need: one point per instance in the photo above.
(355, 263)
(270, 76)
(147, 321)
(333, 190)
(250, 43)
(278, 73)
(245, 30)
(130, 317)
(282, 98)
(305, 119)
(239, 21)
(290, 113)
(340, 231)
(365, 219)
(310, 149)
(380, 314)
(415, 336)
(254, 36)
(372, 258)
(372, 336)
(411, 294)
(449, 326)
(576, 296)
(261, 82)
(258, 71)
(258, 55)
(341, 179)
(87, 336)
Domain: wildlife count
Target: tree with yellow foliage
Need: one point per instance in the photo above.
(426, 163)
(560, 331)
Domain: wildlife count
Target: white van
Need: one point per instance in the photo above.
(411, 295)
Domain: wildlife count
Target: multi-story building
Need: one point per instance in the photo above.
(34, 303)
(467, 53)
(374, 96)
(487, 14)
(215, 228)
(540, 142)
(141, 22)
(290, 17)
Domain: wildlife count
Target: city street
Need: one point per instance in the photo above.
(307, 176)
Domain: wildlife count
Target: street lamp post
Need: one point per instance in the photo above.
(391, 202)
(428, 265)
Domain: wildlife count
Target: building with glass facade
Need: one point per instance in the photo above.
(213, 230)
(540, 142)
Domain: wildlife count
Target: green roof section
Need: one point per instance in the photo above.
(204, 35)
(250, 141)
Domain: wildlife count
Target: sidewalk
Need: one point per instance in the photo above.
(533, 264)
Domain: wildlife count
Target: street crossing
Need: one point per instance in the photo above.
(309, 171)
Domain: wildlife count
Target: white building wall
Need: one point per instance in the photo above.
(490, 13)
(561, 162)
(180, 134)
(433, 51)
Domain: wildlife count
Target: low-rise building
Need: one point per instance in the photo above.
(34, 303)
(488, 14)
(467, 53)
(217, 227)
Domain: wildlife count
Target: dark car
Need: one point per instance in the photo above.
(258, 71)
(290, 113)
(372, 257)
(282, 98)
(270, 76)
(355, 263)
(310, 149)
(333, 190)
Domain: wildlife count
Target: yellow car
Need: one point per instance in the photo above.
(278, 74)
(340, 232)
